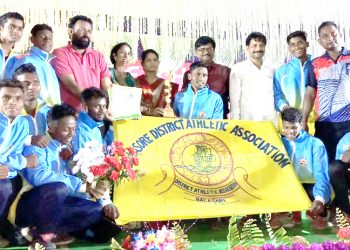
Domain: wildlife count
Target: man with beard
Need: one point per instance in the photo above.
(77, 65)
(218, 75)
(11, 30)
(251, 84)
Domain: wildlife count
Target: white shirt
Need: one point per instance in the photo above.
(251, 92)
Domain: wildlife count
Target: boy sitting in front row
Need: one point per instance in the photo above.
(56, 204)
(310, 162)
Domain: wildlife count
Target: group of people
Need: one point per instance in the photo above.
(52, 104)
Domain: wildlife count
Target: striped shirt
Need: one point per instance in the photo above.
(332, 81)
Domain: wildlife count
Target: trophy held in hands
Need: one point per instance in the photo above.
(168, 110)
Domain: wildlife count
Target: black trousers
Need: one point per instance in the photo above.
(330, 133)
(340, 179)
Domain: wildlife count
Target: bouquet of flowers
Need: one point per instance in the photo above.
(114, 166)
(118, 165)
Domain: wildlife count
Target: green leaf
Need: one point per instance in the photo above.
(251, 234)
(279, 236)
(233, 238)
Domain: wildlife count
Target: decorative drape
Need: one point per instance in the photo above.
(171, 26)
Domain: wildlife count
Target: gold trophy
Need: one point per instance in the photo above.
(168, 110)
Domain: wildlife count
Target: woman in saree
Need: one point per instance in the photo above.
(120, 57)
(154, 89)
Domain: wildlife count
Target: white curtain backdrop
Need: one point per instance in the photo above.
(171, 26)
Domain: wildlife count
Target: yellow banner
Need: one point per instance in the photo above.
(206, 168)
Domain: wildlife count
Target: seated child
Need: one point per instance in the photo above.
(310, 162)
(57, 204)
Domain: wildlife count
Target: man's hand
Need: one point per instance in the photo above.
(4, 171)
(66, 153)
(40, 140)
(32, 161)
(202, 115)
(317, 207)
(111, 211)
(95, 193)
(109, 115)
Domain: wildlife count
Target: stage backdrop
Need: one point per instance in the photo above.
(206, 168)
(172, 27)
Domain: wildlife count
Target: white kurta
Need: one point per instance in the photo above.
(251, 92)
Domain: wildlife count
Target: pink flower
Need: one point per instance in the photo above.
(114, 175)
(130, 171)
(238, 248)
(135, 161)
(118, 144)
(99, 170)
(125, 161)
(131, 150)
(120, 151)
(255, 248)
(344, 233)
(111, 160)
(118, 166)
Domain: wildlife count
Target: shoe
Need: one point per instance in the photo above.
(27, 233)
(40, 244)
(4, 242)
(62, 240)
(281, 220)
(296, 217)
(318, 222)
(12, 234)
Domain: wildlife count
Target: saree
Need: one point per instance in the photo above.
(154, 94)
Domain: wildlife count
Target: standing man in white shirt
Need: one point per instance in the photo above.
(251, 84)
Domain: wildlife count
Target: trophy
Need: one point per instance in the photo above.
(168, 110)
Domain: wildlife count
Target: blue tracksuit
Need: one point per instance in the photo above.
(54, 205)
(289, 84)
(310, 162)
(89, 130)
(190, 105)
(343, 144)
(50, 89)
(12, 137)
(50, 168)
